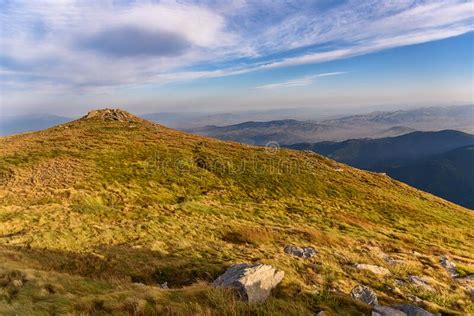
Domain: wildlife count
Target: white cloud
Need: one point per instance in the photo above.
(303, 81)
(42, 38)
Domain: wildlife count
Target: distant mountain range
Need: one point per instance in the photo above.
(285, 126)
(441, 162)
(374, 125)
(28, 123)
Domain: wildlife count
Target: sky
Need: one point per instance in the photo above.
(66, 57)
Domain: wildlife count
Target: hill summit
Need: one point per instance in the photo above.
(110, 115)
(108, 217)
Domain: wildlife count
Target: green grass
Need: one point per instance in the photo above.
(98, 206)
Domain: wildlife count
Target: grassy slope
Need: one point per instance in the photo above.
(89, 207)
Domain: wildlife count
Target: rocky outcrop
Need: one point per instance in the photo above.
(364, 294)
(252, 283)
(110, 115)
(374, 269)
(305, 252)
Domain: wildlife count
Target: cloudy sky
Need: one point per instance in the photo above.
(65, 56)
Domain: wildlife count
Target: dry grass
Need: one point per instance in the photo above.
(148, 204)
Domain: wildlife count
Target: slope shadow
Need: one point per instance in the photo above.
(120, 264)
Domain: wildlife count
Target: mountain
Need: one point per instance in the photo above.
(429, 118)
(261, 133)
(449, 175)
(373, 125)
(96, 213)
(27, 123)
(417, 158)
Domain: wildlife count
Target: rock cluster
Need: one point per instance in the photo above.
(366, 295)
(302, 252)
(252, 283)
(110, 115)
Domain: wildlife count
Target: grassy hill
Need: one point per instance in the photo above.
(96, 212)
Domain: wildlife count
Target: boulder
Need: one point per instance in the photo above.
(412, 310)
(305, 252)
(251, 282)
(449, 266)
(380, 310)
(374, 269)
(364, 294)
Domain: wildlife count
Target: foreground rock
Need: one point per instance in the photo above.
(305, 252)
(252, 283)
(400, 310)
(374, 269)
(412, 310)
(386, 311)
(364, 294)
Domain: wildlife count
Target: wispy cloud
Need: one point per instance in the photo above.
(90, 46)
(303, 81)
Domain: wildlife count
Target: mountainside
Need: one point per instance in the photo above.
(449, 175)
(411, 158)
(373, 125)
(95, 213)
(260, 133)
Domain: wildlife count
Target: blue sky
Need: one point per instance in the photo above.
(65, 57)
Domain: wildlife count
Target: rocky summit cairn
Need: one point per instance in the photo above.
(110, 115)
(252, 283)
(364, 294)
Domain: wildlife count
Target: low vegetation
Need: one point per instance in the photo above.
(95, 214)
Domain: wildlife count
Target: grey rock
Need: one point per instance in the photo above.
(364, 294)
(380, 310)
(420, 282)
(305, 252)
(373, 268)
(164, 285)
(252, 283)
(449, 266)
(412, 310)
